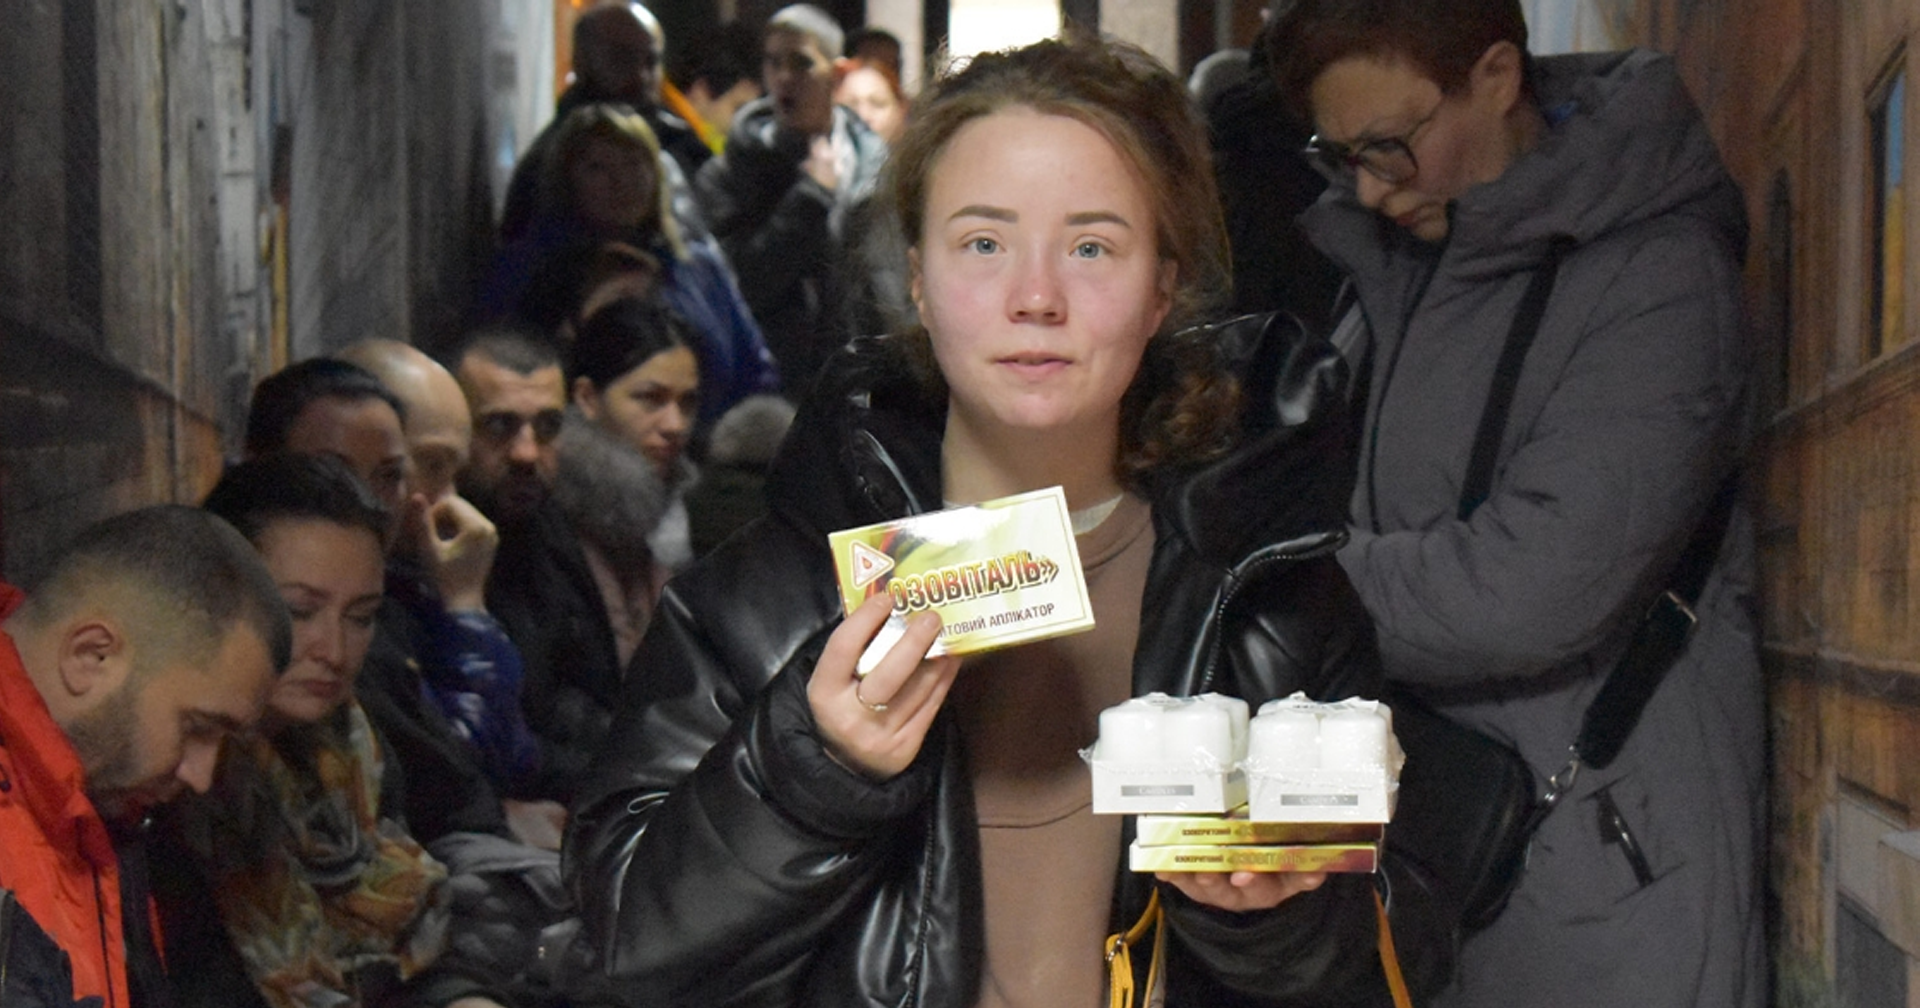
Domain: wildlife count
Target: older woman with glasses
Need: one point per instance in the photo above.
(1546, 255)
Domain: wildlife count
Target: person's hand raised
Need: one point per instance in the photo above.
(821, 164)
(875, 725)
(456, 543)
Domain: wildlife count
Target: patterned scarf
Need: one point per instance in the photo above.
(317, 891)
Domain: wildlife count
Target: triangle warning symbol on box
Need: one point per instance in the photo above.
(868, 564)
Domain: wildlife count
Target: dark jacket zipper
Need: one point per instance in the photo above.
(1240, 574)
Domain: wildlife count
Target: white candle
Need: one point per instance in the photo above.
(1284, 739)
(1198, 733)
(1236, 709)
(1353, 739)
(1131, 733)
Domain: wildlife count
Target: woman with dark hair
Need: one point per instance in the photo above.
(321, 896)
(767, 828)
(623, 476)
(600, 185)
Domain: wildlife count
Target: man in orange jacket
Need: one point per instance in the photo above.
(153, 637)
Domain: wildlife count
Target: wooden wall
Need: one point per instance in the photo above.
(194, 192)
(1788, 86)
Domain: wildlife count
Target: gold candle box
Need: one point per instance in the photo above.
(1332, 857)
(1236, 829)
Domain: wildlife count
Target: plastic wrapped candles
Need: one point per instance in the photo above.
(1296, 761)
(1159, 753)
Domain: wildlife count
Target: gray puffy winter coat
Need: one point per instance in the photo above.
(1628, 414)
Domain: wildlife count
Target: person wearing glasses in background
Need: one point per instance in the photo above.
(1463, 171)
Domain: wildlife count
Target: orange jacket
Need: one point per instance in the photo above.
(54, 851)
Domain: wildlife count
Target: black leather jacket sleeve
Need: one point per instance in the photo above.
(719, 841)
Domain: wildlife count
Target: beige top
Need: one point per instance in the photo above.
(1047, 862)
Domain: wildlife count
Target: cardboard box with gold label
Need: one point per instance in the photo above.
(1237, 829)
(1349, 857)
(999, 573)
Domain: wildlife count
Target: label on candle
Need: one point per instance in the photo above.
(999, 573)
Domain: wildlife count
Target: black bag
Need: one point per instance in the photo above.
(1471, 802)
(1476, 795)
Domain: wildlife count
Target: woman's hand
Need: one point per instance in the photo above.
(1242, 891)
(875, 725)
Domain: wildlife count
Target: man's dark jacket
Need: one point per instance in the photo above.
(816, 265)
(543, 593)
(719, 855)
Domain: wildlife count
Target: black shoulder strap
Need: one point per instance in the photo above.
(1506, 377)
(1658, 640)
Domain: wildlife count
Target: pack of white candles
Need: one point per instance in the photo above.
(1159, 753)
(1297, 760)
(1322, 762)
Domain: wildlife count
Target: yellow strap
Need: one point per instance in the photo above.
(1390, 960)
(1120, 955)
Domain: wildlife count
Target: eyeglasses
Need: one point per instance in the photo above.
(502, 427)
(1389, 159)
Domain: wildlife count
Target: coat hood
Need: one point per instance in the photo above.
(1625, 144)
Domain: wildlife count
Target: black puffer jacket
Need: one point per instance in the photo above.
(721, 858)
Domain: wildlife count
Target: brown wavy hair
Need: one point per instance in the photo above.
(1181, 405)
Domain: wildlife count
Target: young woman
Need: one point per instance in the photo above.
(872, 91)
(603, 184)
(624, 473)
(319, 890)
(769, 830)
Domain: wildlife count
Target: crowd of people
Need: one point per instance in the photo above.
(517, 675)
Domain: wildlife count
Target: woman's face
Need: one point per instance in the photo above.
(1457, 141)
(612, 184)
(1038, 276)
(652, 406)
(330, 577)
(866, 91)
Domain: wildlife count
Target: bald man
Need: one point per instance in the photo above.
(435, 631)
(154, 637)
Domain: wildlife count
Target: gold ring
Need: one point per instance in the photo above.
(877, 708)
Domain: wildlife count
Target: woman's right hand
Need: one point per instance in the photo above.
(875, 724)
